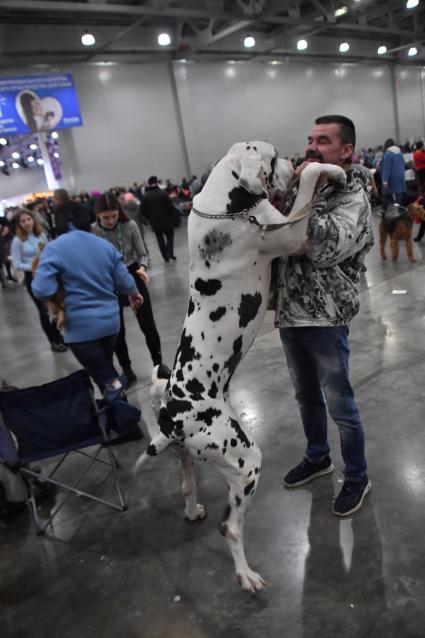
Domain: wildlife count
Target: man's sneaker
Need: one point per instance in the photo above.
(351, 496)
(306, 471)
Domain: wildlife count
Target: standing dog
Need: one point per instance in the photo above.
(399, 228)
(234, 233)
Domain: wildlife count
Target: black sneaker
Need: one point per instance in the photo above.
(351, 496)
(306, 471)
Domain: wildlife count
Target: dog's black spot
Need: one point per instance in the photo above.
(219, 339)
(185, 350)
(212, 392)
(207, 263)
(165, 422)
(209, 373)
(212, 446)
(179, 375)
(256, 470)
(178, 392)
(191, 307)
(248, 308)
(208, 415)
(233, 442)
(214, 242)
(216, 367)
(209, 287)
(240, 434)
(151, 450)
(234, 359)
(241, 463)
(194, 386)
(224, 447)
(240, 199)
(249, 488)
(202, 336)
(238, 501)
(235, 175)
(176, 406)
(189, 367)
(215, 315)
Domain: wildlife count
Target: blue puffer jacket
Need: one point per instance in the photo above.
(392, 171)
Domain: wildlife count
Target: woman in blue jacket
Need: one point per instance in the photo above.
(392, 174)
(91, 272)
(27, 244)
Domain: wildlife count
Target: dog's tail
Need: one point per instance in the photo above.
(158, 444)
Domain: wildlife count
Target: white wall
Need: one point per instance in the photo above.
(131, 115)
(223, 103)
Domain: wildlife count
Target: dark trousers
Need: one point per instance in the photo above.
(97, 357)
(49, 326)
(146, 322)
(166, 246)
(387, 198)
(421, 232)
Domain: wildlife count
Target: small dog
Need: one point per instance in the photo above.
(399, 228)
(234, 233)
(56, 304)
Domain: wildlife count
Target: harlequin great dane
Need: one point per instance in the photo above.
(234, 233)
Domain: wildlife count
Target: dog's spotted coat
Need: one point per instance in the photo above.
(229, 284)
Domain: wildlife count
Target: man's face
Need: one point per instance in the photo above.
(325, 145)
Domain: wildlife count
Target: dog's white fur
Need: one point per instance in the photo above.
(228, 299)
(157, 390)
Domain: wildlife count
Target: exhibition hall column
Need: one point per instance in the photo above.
(50, 163)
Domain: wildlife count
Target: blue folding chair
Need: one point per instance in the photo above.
(56, 419)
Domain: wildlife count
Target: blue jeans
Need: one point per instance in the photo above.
(318, 365)
(97, 357)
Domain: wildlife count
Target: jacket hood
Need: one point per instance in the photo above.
(394, 149)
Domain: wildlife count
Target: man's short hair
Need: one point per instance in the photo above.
(152, 180)
(347, 130)
(61, 194)
(419, 144)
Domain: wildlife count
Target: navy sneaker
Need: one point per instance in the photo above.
(306, 471)
(350, 498)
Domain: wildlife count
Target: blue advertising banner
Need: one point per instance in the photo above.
(38, 103)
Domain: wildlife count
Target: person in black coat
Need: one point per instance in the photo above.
(158, 208)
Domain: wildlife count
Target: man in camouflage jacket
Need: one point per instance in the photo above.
(317, 298)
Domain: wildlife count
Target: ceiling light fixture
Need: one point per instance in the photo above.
(55, 135)
(412, 51)
(302, 45)
(382, 49)
(344, 47)
(88, 39)
(3, 141)
(249, 42)
(15, 165)
(164, 39)
(30, 158)
(15, 155)
(33, 147)
(1, 163)
(341, 12)
(56, 155)
(40, 162)
(411, 4)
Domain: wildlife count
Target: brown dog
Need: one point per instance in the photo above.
(400, 229)
(56, 304)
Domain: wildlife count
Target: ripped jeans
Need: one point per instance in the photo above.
(318, 359)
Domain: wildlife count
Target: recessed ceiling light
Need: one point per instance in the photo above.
(411, 4)
(382, 49)
(1, 163)
(302, 45)
(164, 39)
(341, 12)
(30, 158)
(3, 141)
(15, 165)
(344, 47)
(56, 155)
(249, 42)
(412, 51)
(55, 135)
(33, 147)
(15, 155)
(40, 161)
(88, 39)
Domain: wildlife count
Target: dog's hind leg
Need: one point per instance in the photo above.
(409, 249)
(193, 511)
(242, 484)
(382, 240)
(394, 248)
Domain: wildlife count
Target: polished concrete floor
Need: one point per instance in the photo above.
(147, 573)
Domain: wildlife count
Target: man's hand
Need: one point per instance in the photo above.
(135, 301)
(141, 272)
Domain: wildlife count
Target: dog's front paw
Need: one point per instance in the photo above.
(251, 581)
(197, 514)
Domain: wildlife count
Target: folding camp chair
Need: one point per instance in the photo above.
(56, 419)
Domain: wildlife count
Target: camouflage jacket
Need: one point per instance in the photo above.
(320, 288)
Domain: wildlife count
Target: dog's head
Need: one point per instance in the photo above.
(255, 164)
(417, 210)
